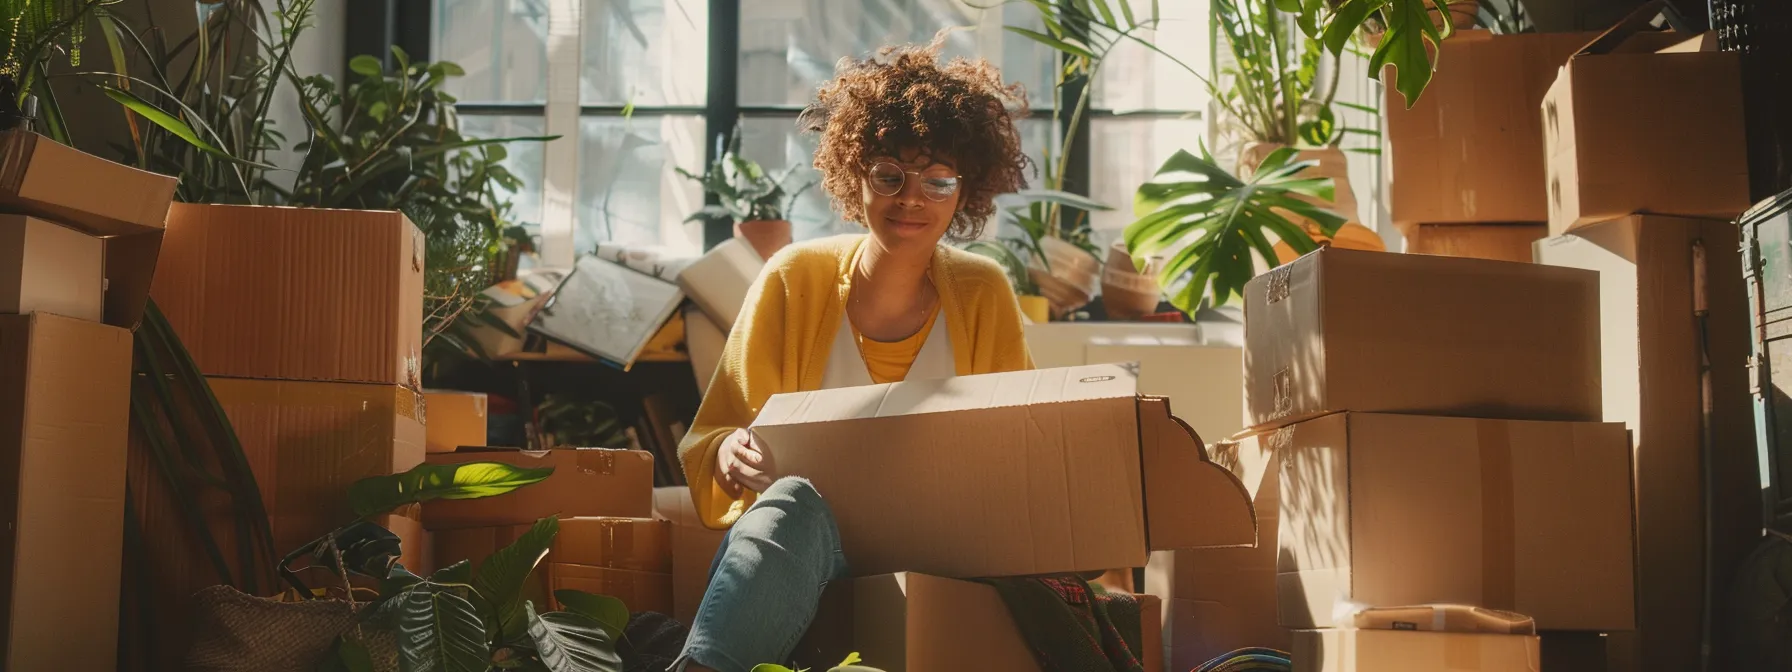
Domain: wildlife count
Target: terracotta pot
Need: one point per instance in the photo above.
(1125, 291)
(766, 236)
(1072, 280)
(1035, 308)
(1463, 14)
(1350, 236)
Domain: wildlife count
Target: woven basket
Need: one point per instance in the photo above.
(237, 632)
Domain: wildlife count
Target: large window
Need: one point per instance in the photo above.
(626, 83)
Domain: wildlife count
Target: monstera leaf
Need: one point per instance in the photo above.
(571, 642)
(1219, 221)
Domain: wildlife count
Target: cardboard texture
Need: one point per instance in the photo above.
(46, 179)
(1499, 242)
(607, 310)
(1656, 275)
(718, 281)
(1445, 618)
(64, 414)
(417, 548)
(586, 482)
(454, 419)
(295, 294)
(1393, 510)
(640, 591)
(1006, 474)
(1602, 103)
(898, 622)
(1396, 651)
(1201, 381)
(1224, 599)
(52, 269)
(1471, 149)
(1341, 330)
(694, 549)
(308, 441)
(636, 544)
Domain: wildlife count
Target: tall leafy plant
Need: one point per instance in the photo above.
(1272, 90)
(1221, 222)
(1407, 28)
(393, 141)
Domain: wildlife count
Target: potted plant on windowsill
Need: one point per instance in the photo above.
(1051, 275)
(758, 202)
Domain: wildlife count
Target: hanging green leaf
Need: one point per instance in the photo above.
(366, 65)
(1410, 29)
(439, 630)
(501, 577)
(569, 642)
(1055, 43)
(425, 482)
(608, 611)
(1319, 131)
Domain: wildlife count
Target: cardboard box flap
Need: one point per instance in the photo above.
(1635, 34)
(1190, 501)
(961, 393)
(39, 176)
(718, 281)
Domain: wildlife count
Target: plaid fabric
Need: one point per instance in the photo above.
(1073, 626)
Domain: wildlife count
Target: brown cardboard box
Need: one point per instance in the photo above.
(454, 419)
(1653, 334)
(1602, 105)
(417, 548)
(52, 269)
(694, 549)
(1342, 330)
(1516, 515)
(308, 441)
(1006, 474)
(639, 591)
(586, 482)
(295, 294)
(1499, 242)
(909, 621)
(64, 413)
(1471, 149)
(46, 179)
(1408, 651)
(636, 544)
(1224, 599)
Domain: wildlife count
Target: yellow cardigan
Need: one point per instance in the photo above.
(780, 344)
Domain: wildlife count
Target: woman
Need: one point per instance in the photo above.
(916, 152)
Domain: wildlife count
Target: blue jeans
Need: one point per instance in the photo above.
(766, 581)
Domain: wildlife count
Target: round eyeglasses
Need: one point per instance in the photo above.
(888, 178)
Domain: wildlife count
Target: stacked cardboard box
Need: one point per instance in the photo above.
(608, 543)
(1672, 301)
(308, 325)
(455, 419)
(1466, 160)
(75, 267)
(1011, 474)
(1434, 425)
(694, 548)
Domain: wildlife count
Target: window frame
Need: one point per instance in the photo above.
(375, 26)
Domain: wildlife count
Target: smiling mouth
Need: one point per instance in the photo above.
(904, 222)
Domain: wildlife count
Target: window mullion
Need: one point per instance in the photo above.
(561, 172)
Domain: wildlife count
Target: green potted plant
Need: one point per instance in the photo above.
(1051, 275)
(758, 202)
(1211, 223)
(36, 31)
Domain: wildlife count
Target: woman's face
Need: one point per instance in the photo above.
(910, 200)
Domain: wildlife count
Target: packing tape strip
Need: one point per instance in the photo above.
(597, 460)
(1498, 527)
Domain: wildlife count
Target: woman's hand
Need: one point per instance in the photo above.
(742, 465)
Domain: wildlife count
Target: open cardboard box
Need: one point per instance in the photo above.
(1028, 472)
(47, 267)
(1635, 125)
(718, 281)
(62, 185)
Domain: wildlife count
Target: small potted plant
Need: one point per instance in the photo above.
(1051, 275)
(758, 202)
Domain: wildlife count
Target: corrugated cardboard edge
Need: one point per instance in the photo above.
(1190, 501)
(135, 201)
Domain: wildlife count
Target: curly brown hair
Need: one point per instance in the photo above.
(902, 99)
